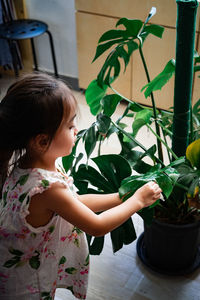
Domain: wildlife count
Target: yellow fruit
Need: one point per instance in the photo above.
(193, 153)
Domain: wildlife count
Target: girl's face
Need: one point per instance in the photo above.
(64, 138)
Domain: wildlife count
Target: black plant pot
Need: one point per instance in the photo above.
(170, 249)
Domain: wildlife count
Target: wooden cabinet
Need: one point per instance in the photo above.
(94, 17)
(90, 28)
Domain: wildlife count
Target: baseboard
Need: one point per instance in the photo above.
(71, 82)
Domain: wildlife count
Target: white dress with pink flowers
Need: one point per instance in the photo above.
(35, 261)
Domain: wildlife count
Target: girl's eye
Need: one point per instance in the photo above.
(72, 126)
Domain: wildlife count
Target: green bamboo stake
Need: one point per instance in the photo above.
(185, 39)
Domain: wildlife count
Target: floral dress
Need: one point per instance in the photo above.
(35, 261)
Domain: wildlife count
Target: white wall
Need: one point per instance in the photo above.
(60, 17)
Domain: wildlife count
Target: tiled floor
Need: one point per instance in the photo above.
(122, 276)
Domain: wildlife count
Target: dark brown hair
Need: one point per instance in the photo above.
(34, 104)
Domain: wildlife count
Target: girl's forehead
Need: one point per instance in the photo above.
(70, 107)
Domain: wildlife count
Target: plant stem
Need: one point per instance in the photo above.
(99, 148)
(191, 135)
(126, 99)
(124, 114)
(165, 129)
(160, 153)
(138, 143)
(164, 136)
(161, 141)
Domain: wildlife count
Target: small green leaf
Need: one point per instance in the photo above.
(71, 270)
(87, 260)
(161, 79)
(22, 197)
(16, 252)
(62, 260)
(23, 179)
(34, 262)
(94, 94)
(10, 263)
(45, 183)
(4, 198)
(51, 228)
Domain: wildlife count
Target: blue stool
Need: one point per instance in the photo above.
(26, 29)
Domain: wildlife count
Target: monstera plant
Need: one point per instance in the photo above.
(128, 170)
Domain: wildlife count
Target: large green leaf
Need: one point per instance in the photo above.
(110, 70)
(152, 29)
(132, 26)
(67, 161)
(141, 118)
(95, 245)
(90, 140)
(103, 123)
(165, 177)
(196, 110)
(104, 47)
(123, 235)
(109, 104)
(161, 79)
(94, 94)
(146, 214)
(123, 40)
(89, 175)
(113, 34)
(114, 168)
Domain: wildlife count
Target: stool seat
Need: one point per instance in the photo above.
(26, 29)
(22, 29)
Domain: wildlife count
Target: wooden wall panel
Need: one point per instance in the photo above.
(157, 53)
(166, 13)
(89, 29)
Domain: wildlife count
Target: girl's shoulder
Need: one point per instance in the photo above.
(36, 178)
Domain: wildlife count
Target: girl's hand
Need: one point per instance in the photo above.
(148, 194)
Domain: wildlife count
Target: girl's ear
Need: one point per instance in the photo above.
(40, 143)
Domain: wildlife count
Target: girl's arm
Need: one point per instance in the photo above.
(100, 202)
(60, 200)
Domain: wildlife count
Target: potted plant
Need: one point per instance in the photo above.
(128, 170)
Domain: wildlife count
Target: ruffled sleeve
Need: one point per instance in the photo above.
(34, 182)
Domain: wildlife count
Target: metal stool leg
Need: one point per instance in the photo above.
(14, 56)
(34, 55)
(53, 52)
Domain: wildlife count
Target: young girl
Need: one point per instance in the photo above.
(42, 219)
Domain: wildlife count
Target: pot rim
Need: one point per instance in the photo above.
(164, 224)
